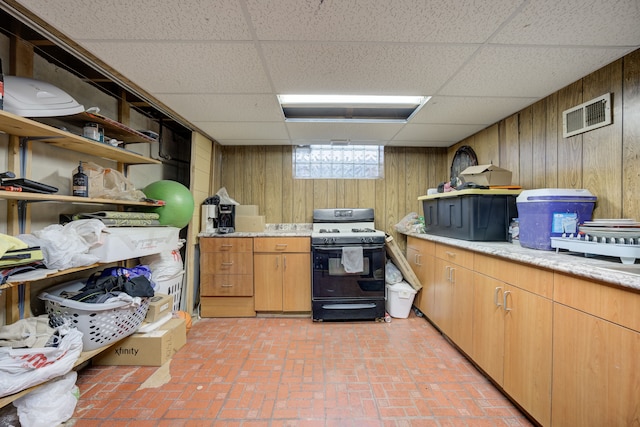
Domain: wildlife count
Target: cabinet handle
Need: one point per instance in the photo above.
(447, 273)
(225, 246)
(227, 264)
(451, 254)
(226, 286)
(495, 296)
(418, 256)
(452, 276)
(281, 246)
(284, 263)
(504, 301)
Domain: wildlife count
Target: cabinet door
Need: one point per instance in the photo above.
(296, 282)
(488, 326)
(268, 282)
(527, 351)
(422, 262)
(462, 307)
(442, 295)
(596, 371)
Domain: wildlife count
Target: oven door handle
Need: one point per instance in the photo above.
(339, 247)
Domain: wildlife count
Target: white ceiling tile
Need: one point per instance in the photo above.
(404, 143)
(254, 141)
(244, 131)
(361, 68)
(408, 21)
(469, 110)
(186, 67)
(222, 108)
(145, 19)
(301, 132)
(574, 22)
(435, 132)
(510, 71)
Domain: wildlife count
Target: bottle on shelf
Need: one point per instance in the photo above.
(80, 183)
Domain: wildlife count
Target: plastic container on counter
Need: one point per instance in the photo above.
(551, 212)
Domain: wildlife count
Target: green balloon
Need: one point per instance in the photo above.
(179, 203)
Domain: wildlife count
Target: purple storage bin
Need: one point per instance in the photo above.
(550, 212)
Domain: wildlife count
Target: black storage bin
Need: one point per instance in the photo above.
(480, 215)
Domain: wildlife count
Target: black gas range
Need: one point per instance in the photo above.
(348, 255)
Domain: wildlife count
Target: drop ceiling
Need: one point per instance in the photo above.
(218, 66)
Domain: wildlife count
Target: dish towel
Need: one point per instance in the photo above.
(352, 260)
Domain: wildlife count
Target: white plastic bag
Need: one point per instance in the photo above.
(66, 246)
(392, 274)
(166, 264)
(51, 404)
(225, 199)
(21, 368)
(411, 223)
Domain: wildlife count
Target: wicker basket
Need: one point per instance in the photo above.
(101, 324)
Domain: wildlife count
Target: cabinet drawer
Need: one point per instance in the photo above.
(226, 244)
(616, 305)
(424, 247)
(226, 263)
(227, 307)
(280, 244)
(532, 279)
(454, 255)
(220, 285)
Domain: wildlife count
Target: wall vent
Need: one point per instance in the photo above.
(587, 116)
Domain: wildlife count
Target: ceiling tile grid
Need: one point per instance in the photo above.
(220, 64)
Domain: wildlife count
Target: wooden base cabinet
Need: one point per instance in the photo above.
(596, 360)
(453, 294)
(226, 277)
(282, 269)
(512, 331)
(420, 255)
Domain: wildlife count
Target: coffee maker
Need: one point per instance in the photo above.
(209, 217)
(226, 219)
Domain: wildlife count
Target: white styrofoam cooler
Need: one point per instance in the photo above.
(121, 243)
(400, 299)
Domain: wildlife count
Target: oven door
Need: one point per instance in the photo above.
(330, 281)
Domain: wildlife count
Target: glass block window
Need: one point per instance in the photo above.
(338, 161)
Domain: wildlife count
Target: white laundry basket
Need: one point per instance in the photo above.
(172, 286)
(400, 299)
(101, 323)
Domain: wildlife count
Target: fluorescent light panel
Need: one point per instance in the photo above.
(350, 108)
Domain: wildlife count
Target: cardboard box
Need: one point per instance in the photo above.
(150, 349)
(247, 210)
(249, 223)
(159, 305)
(491, 175)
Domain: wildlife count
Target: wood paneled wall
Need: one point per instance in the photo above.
(606, 161)
(263, 176)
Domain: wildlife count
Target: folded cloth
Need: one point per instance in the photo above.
(32, 332)
(352, 259)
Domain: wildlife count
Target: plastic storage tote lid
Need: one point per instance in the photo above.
(401, 287)
(556, 195)
(34, 98)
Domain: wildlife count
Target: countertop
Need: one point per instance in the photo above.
(590, 267)
(605, 269)
(271, 230)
